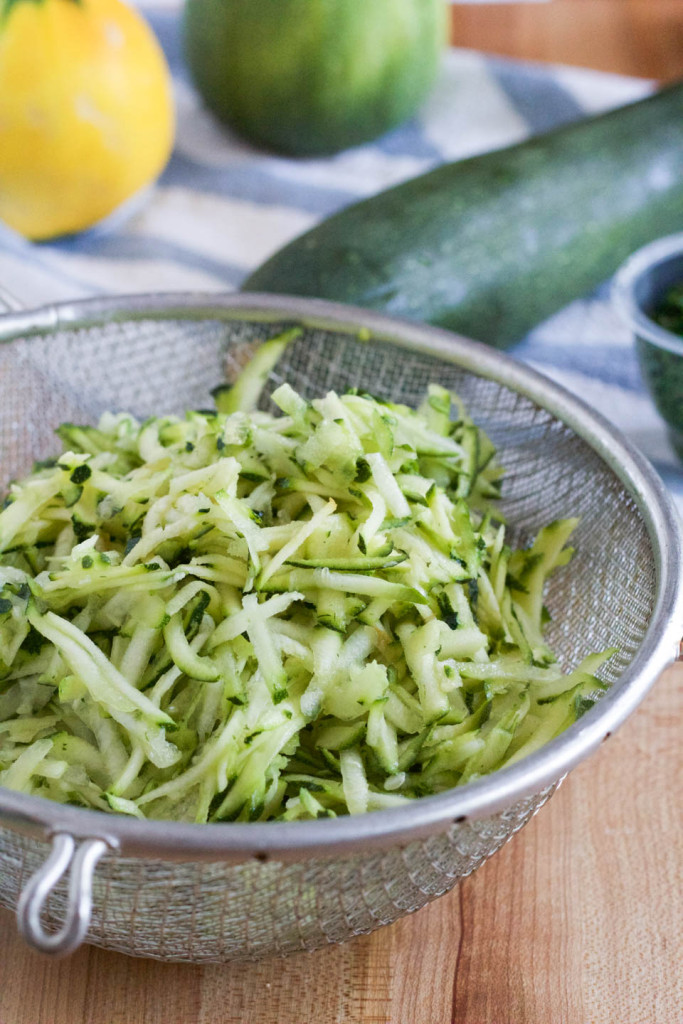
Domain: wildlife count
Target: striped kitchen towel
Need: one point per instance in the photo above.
(221, 207)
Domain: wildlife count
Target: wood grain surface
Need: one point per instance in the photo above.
(632, 37)
(578, 920)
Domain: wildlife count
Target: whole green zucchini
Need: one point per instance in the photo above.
(492, 245)
(314, 76)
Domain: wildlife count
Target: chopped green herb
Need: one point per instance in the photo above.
(81, 474)
(669, 313)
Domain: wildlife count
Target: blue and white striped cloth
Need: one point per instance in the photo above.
(221, 207)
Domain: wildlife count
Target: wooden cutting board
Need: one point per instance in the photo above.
(631, 37)
(578, 920)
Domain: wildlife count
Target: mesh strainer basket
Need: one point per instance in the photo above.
(245, 891)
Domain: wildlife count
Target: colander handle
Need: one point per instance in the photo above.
(82, 860)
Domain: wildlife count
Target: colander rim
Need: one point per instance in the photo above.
(491, 794)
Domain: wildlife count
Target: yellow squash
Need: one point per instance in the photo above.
(86, 114)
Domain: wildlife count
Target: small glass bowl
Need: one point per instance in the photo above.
(639, 288)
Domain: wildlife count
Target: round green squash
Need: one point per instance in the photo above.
(310, 77)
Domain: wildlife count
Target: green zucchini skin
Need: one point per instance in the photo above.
(309, 77)
(492, 245)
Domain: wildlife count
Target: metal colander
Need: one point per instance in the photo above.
(245, 891)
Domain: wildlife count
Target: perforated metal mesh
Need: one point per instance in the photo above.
(604, 598)
(218, 912)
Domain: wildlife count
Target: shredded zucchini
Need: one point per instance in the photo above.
(245, 616)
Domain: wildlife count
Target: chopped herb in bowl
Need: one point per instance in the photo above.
(669, 313)
(648, 292)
